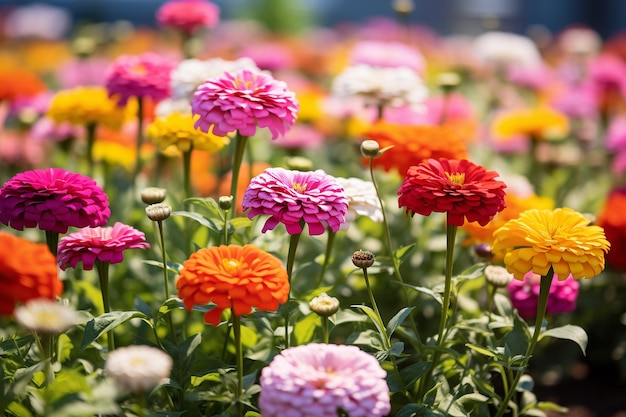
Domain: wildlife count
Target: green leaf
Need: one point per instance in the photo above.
(570, 332)
(204, 221)
(550, 406)
(413, 372)
(13, 344)
(208, 203)
(472, 398)
(305, 329)
(240, 222)
(427, 291)
(372, 315)
(473, 272)
(398, 319)
(23, 376)
(416, 410)
(481, 350)
(64, 347)
(402, 253)
(172, 267)
(252, 414)
(174, 303)
(105, 323)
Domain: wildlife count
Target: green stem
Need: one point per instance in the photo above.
(329, 249)
(103, 275)
(239, 355)
(91, 138)
(544, 292)
(187, 171)
(165, 279)
(52, 240)
(45, 343)
(325, 328)
(138, 161)
(291, 256)
(226, 226)
(240, 148)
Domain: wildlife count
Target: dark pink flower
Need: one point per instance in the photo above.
(242, 101)
(188, 15)
(104, 244)
(146, 75)
(317, 379)
(524, 295)
(52, 199)
(294, 198)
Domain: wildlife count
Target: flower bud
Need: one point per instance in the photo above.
(483, 251)
(448, 81)
(153, 195)
(225, 202)
(403, 7)
(324, 305)
(299, 163)
(158, 212)
(363, 259)
(498, 276)
(370, 148)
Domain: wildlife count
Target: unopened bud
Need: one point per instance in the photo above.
(448, 81)
(158, 212)
(483, 251)
(403, 7)
(324, 305)
(299, 163)
(153, 195)
(498, 276)
(370, 148)
(225, 202)
(363, 259)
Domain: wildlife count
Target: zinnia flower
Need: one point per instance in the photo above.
(237, 277)
(539, 123)
(242, 101)
(86, 105)
(18, 83)
(504, 48)
(462, 189)
(387, 54)
(146, 75)
(413, 144)
(45, 316)
(178, 130)
(612, 219)
(318, 379)
(294, 198)
(52, 199)
(104, 244)
(138, 368)
(362, 200)
(188, 15)
(561, 239)
(524, 295)
(27, 271)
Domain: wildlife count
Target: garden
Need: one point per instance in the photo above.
(214, 216)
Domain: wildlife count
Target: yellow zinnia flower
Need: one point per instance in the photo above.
(561, 239)
(177, 129)
(86, 105)
(539, 123)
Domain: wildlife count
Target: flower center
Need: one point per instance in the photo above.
(139, 70)
(231, 265)
(299, 187)
(458, 178)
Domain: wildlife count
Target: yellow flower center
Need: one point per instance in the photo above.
(458, 178)
(299, 187)
(231, 265)
(139, 70)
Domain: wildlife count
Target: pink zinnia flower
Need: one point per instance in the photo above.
(270, 56)
(607, 72)
(52, 199)
(317, 379)
(146, 75)
(301, 136)
(294, 198)
(104, 244)
(387, 54)
(525, 295)
(242, 101)
(616, 135)
(188, 15)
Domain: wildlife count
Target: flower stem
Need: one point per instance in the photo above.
(291, 256)
(91, 138)
(544, 292)
(240, 148)
(138, 161)
(239, 357)
(325, 329)
(52, 240)
(450, 238)
(187, 171)
(45, 343)
(165, 279)
(103, 274)
(329, 249)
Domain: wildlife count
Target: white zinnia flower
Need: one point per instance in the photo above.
(580, 41)
(138, 368)
(506, 48)
(169, 106)
(190, 73)
(397, 86)
(362, 200)
(42, 315)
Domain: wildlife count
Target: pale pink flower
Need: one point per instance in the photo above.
(188, 15)
(294, 198)
(138, 368)
(536, 77)
(242, 101)
(524, 295)
(317, 379)
(270, 56)
(104, 244)
(616, 135)
(387, 54)
(301, 136)
(145, 75)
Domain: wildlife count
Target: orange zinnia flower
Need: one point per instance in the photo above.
(27, 271)
(18, 83)
(237, 277)
(413, 144)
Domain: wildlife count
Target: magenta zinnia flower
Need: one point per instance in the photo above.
(188, 15)
(317, 379)
(525, 295)
(53, 200)
(146, 75)
(104, 244)
(461, 189)
(294, 198)
(242, 101)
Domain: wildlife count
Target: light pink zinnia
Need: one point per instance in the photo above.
(317, 379)
(242, 101)
(524, 295)
(52, 199)
(387, 54)
(616, 135)
(145, 75)
(104, 244)
(294, 198)
(188, 15)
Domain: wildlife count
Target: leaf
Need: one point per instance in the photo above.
(372, 315)
(481, 350)
(64, 347)
(473, 272)
(402, 253)
(23, 376)
(172, 267)
(239, 222)
(416, 410)
(412, 373)
(570, 332)
(550, 406)
(204, 221)
(305, 329)
(208, 203)
(398, 319)
(105, 323)
(169, 305)
(472, 398)
(426, 291)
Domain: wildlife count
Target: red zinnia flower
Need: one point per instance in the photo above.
(27, 271)
(16, 84)
(612, 220)
(461, 189)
